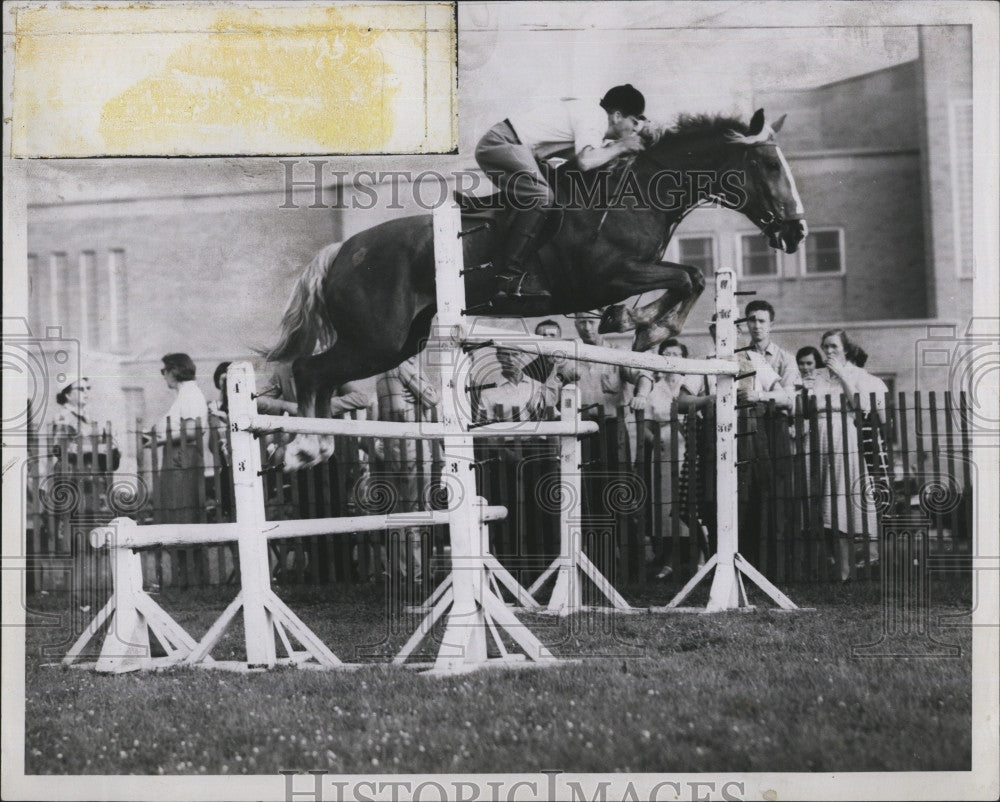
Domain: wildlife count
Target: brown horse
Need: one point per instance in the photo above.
(362, 307)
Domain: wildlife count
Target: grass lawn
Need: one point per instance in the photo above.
(757, 691)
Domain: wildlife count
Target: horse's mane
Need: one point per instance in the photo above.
(699, 126)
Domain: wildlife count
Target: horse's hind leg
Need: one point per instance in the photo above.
(316, 379)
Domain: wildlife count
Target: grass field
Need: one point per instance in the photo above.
(757, 691)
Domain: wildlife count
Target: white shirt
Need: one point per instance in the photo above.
(598, 382)
(189, 403)
(765, 380)
(664, 392)
(570, 123)
(826, 383)
(528, 396)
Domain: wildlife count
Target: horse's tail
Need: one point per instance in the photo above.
(306, 321)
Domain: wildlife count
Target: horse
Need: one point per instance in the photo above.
(363, 306)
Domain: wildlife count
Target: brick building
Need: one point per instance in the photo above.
(203, 261)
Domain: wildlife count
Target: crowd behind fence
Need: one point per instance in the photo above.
(646, 512)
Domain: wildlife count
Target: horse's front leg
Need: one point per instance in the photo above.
(662, 318)
(665, 317)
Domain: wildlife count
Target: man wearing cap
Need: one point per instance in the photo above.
(593, 133)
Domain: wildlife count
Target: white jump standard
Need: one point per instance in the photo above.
(133, 613)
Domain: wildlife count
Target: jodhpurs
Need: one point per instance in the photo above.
(512, 167)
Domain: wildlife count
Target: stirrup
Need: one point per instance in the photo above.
(517, 292)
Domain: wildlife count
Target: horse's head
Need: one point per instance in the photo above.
(767, 196)
(705, 159)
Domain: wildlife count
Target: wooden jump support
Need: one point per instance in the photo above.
(132, 614)
(572, 568)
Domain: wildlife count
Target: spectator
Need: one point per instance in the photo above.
(405, 394)
(839, 386)
(514, 391)
(74, 421)
(809, 361)
(549, 329)
(218, 438)
(218, 409)
(760, 316)
(543, 368)
(279, 396)
(183, 464)
(179, 373)
(221, 404)
(656, 395)
(600, 385)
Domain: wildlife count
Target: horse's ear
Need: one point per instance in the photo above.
(756, 123)
(776, 125)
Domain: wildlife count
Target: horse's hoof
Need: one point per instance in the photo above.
(326, 449)
(652, 336)
(615, 319)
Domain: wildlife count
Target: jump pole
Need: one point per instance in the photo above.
(469, 602)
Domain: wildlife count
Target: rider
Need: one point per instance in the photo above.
(593, 133)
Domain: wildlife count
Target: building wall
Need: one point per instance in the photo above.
(208, 276)
(946, 83)
(878, 110)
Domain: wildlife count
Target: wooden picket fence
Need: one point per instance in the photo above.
(647, 500)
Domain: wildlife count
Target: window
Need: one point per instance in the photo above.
(698, 252)
(824, 254)
(85, 296)
(756, 257)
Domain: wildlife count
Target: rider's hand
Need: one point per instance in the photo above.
(632, 143)
(637, 403)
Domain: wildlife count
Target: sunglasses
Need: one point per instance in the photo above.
(83, 389)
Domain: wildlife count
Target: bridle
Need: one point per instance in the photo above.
(770, 221)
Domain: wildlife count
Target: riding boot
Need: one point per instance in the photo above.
(522, 241)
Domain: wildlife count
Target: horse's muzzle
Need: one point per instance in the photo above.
(786, 235)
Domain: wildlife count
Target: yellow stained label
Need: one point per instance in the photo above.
(188, 80)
